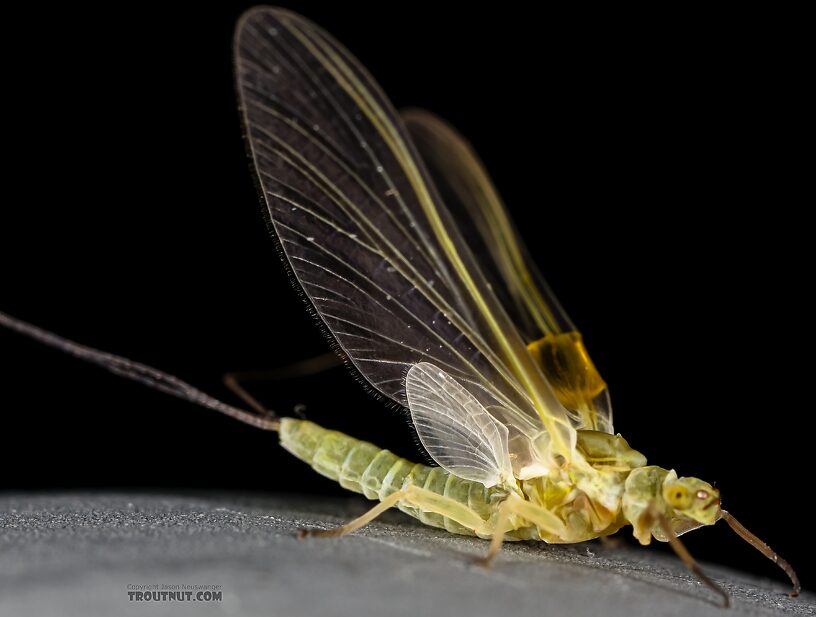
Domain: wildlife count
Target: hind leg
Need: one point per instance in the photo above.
(415, 496)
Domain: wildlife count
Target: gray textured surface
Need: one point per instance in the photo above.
(75, 554)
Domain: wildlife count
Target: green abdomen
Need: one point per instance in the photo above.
(362, 467)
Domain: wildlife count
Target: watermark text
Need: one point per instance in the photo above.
(163, 592)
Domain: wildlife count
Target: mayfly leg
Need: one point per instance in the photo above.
(496, 542)
(766, 550)
(357, 523)
(412, 495)
(542, 518)
(682, 552)
(235, 381)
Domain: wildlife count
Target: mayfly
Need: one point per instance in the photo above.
(379, 218)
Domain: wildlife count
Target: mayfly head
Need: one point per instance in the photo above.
(693, 499)
(659, 504)
(652, 492)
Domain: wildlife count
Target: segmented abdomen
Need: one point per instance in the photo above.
(362, 467)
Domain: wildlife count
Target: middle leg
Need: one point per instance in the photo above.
(534, 514)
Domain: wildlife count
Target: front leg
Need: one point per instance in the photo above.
(655, 517)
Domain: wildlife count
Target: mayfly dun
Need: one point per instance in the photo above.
(380, 217)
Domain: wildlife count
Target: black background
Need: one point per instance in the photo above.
(654, 163)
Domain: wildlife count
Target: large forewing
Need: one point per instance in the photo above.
(468, 192)
(364, 232)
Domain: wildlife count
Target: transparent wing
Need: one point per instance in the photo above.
(467, 190)
(364, 232)
(456, 430)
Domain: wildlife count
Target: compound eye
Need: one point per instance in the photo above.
(702, 494)
(678, 497)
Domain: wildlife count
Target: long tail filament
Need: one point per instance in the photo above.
(142, 373)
